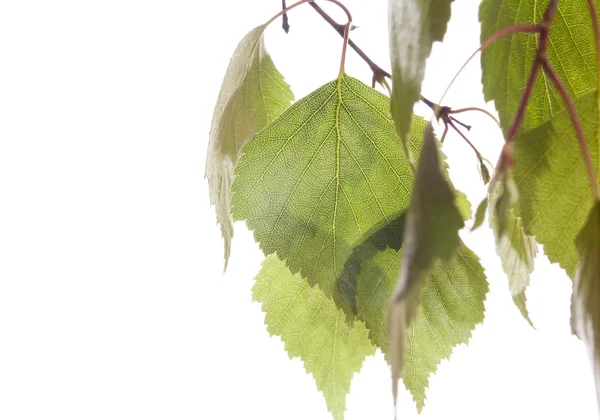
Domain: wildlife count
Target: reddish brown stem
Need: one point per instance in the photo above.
(585, 151)
(340, 30)
(512, 131)
(451, 124)
(509, 30)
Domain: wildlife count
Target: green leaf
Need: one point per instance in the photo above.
(460, 200)
(431, 233)
(253, 93)
(313, 329)
(516, 249)
(480, 214)
(506, 64)
(549, 169)
(321, 178)
(451, 305)
(414, 25)
(585, 301)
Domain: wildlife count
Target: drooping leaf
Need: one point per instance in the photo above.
(313, 329)
(431, 233)
(485, 173)
(516, 249)
(585, 301)
(414, 25)
(549, 170)
(480, 214)
(253, 93)
(451, 305)
(322, 177)
(507, 63)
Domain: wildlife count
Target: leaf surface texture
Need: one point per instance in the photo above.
(253, 93)
(321, 178)
(506, 64)
(313, 329)
(451, 305)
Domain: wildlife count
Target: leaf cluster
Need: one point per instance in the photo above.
(348, 195)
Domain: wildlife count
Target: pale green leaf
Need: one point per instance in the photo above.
(253, 93)
(516, 249)
(549, 170)
(414, 25)
(507, 62)
(461, 202)
(431, 233)
(313, 329)
(585, 301)
(480, 214)
(321, 178)
(451, 305)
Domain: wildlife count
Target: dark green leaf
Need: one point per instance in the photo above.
(431, 233)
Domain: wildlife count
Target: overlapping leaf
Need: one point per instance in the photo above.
(323, 176)
(585, 302)
(516, 249)
(414, 25)
(451, 305)
(549, 170)
(507, 63)
(431, 233)
(313, 329)
(253, 93)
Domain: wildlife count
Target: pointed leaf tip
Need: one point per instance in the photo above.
(480, 214)
(516, 249)
(431, 233)
(313, 329)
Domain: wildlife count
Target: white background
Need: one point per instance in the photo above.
(113, 304)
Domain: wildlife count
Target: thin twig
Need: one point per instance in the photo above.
(510, 30)
(465, 139)
(340, 30)
(474, 108)
(285, 24)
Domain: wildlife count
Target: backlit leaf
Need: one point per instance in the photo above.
(585, 301)
(549, 170)
(480, 214)
(253, 93)
(321, 178)
(431, 233)
(451, 305)
(414, 25)
(507, 63)
(516, 249)
(313, 329)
